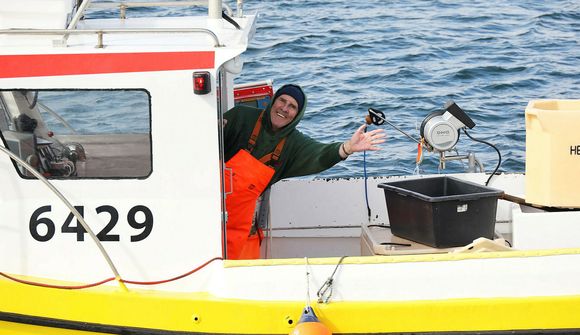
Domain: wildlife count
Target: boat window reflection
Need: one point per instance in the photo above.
(4, 119)
(72, 134)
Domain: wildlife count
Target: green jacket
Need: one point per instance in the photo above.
(301, 154)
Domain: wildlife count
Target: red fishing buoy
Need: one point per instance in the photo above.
(309, 324)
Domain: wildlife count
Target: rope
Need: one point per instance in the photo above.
(174, 278)
(78, 287)
(307, 283)
(63, 287)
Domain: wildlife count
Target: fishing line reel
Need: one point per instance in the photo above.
(441, 129)
(439, 133)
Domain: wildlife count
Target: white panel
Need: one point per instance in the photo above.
(537, 229)
(341, 202)
(182, 194)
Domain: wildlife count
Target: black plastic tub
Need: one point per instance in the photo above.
(441, 212)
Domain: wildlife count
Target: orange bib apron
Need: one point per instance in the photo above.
(246, 177)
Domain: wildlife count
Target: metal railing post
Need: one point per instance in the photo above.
(214, 9)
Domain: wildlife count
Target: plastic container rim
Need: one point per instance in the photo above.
(486, 190)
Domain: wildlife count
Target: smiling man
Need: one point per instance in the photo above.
(264, 146)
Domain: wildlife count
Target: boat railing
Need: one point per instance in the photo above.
(215, 7)
(123, 6)
(101, 32)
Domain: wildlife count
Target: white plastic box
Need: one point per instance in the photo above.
(536, 229)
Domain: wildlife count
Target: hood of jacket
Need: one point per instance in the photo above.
(289, 128)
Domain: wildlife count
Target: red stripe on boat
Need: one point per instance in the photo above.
(16, 66)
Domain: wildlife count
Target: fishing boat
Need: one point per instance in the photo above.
(113, 213)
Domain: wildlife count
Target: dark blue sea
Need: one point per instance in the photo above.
(407, 58)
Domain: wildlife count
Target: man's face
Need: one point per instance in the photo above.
(283, 111)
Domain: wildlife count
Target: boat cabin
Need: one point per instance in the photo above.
(122, 116)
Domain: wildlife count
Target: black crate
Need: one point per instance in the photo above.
(441, 211)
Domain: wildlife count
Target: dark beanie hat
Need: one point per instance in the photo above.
(294, 91)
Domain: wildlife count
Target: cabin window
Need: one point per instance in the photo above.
(74, 134)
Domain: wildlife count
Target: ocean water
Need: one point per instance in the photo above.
(407, 58)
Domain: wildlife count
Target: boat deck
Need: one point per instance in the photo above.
(302, 220)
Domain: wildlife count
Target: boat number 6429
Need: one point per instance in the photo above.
(140, 218)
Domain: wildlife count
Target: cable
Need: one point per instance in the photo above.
(63, 287)
(73, 210)
(307, 283)
(491, 145)
(366, 186)
(325, 291)
(78, 287)
(171, 279)
(230, 20)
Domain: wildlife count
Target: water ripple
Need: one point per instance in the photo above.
(408, 58)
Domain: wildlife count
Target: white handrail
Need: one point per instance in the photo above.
(124, 5)
(101, 32)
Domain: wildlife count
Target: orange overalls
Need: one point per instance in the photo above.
(249, 177)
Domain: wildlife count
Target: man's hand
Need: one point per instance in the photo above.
(361, 141)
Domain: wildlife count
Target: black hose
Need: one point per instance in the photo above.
(230, 20)
(491, 145)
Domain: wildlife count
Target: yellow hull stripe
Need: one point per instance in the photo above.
(202, 312)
